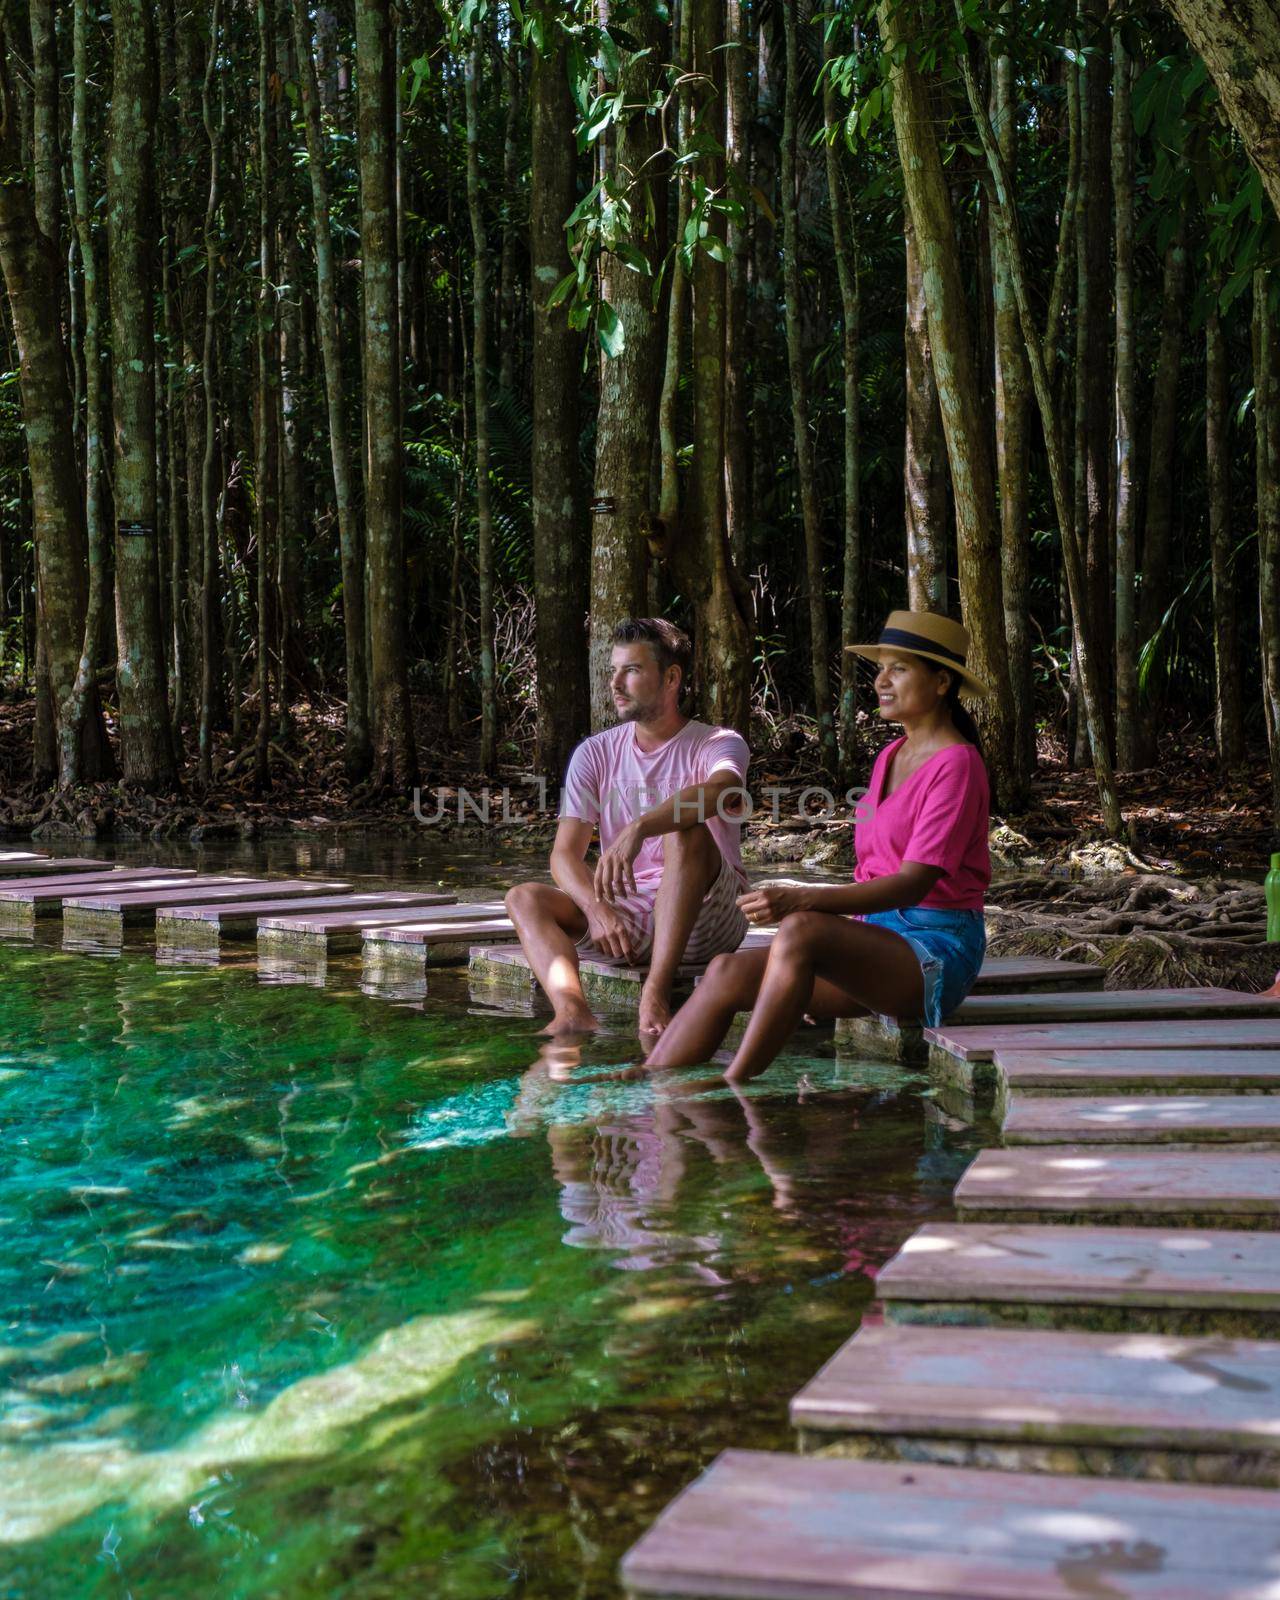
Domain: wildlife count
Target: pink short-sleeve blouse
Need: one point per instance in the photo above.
(938, 817)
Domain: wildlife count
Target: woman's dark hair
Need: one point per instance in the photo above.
(961, 716)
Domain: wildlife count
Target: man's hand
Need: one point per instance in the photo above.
(771, 902)
(612, 930)
(615, 877)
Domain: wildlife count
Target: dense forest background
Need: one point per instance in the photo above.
(365, 363)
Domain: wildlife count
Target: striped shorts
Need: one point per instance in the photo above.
(720, 927)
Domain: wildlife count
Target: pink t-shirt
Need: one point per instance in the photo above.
(938, 817)
(611, 781)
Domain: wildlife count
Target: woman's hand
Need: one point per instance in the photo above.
(770, 902)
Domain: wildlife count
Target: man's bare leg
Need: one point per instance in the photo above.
(690, 863)
(549, 924)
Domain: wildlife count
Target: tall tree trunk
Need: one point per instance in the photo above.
(737, 474)
(1012, 398)
(924, 465)
(145, 743)
(395, 765)
(1161, 467)
(622, 519)
(559, 532)
(968, 446)
(209, 522)
(480, 382)
(1228, 714)
(845, 239)
(81, 703)
(357, 753)
(677, 298)
(722, 632)
(1239, 42)
(1006, 215)
(267, 466)
(511, 156)
(1126, 509)
(1266, 407)
(764, 270)
(815, 580)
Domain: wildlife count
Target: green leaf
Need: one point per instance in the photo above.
(635, 259)
(715, 248)
(610, 331)
(562, 290)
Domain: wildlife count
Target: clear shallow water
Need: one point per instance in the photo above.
(304, 1292)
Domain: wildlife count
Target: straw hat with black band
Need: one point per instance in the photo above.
(926, 634)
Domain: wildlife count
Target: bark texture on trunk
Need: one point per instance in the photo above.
(267, 345)
(1266, 368)
(559, 532)
(1126, 509)
(1228, 711)
(924, 454)
(395, 763)
(968, 445)
(146, 745)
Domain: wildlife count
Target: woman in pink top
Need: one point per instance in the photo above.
(907, 938)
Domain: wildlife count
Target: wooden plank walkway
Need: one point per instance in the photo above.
(981, 1010)
(1161, 1280)
(1135, 1405)
(91, 915)
(22, 903)
(309, 935)
(1121, 1185)
(1159, 1119)
(409, 948)
(1147, 1072)
(761, 1526)
(204, 927)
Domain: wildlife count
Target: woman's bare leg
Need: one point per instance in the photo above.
(694, 1034)
(813, 954)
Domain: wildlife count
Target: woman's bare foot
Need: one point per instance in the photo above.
(655, 1013)
(572, 1019)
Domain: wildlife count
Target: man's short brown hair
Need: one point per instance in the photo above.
(670, 645)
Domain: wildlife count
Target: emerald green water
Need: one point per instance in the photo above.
(306, 1292)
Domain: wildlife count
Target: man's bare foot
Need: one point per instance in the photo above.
(577, 1019)
(655, 1012)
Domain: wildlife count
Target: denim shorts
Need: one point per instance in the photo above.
(950, 945)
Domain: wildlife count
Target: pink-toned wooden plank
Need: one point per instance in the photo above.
(45, 897)
(54, 886)
(1121, 1389)
(1146, 1186)
(1134, 1071)
(760, 1526)
(1031, 1263)
(1159, 1119)
(1213, 1033)
(980, 1010)
(396, 907)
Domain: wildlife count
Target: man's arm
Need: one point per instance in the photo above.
(610, 928)
(686, 808)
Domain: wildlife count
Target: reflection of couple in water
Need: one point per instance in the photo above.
(904, 939)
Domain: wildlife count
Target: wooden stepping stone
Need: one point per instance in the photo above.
(1162, 1119)
(409, 948)
(887, 1039)
(1120, 1004)
(203, 927)
(1128, 1405)
(95, 916)
(315, 935)
(1148, 1072)
(763, 1526)
(52, 867)
(964, 1056)
(24, 902)
(1129, 1280)
(1156, 1188)
(499, 970)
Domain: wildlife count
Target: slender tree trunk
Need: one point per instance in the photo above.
(266, 466)
(1064, 261)
(1012, 398)
(844, 237)
(1266, 406)
(1228, 712)
(737, 478)
(145, 743)
(677, 301)
(209, 523)
(1006, 215)
(81, 703)
(559, 531)
(924, 462)
(358, 754)
(395, 757)
(1126, 509)
(480, 381)
(622, 520)
(511, 156)
(764, 262)
(968, 445)
(815, 580)
(722, 632)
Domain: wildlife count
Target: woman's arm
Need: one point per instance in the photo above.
(906, 887)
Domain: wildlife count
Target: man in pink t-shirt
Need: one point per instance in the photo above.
(664, 792)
